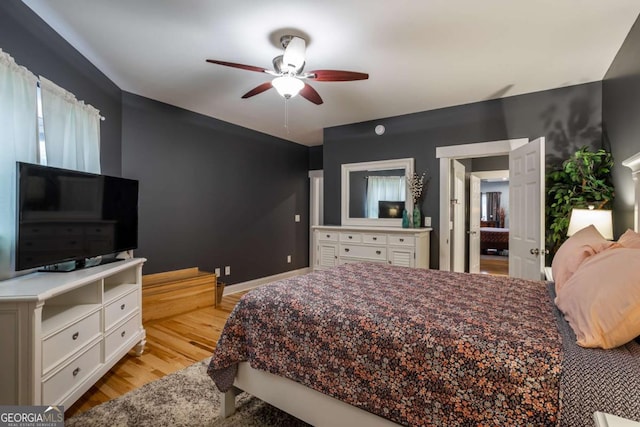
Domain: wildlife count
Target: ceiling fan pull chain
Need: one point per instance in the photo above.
(286, 114)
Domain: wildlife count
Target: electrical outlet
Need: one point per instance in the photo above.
(227, 270)
(297, 218)
(427, 221)
(217, 272)
(289, 259)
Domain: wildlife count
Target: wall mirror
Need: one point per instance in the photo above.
(375, 193)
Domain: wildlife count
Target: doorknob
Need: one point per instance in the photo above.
(537, 251)
(471, 232)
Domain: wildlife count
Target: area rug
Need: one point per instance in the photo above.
(184, 398)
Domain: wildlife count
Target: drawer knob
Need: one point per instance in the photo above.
(402, 240)
(351, 237)
(76, 372)
(378, 252)
(375, 238)
(75, 336)
(328, 235)
(346, 249)
(123, 334)
(122, 307)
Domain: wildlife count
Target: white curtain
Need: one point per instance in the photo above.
(71, 129)
(18, 142)
(390, 188)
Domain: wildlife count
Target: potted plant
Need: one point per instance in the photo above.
(583, 179)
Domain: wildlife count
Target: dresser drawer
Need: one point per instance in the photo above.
(120, 308)
(399, 240)
(380, 239)
(351, 237)
(330, 236)
(71, 376)
(364, 252)
(120, 335)
(69, 340)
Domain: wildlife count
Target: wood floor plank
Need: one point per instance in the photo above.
(172, 344)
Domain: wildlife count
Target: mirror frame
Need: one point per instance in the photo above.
(406, 164)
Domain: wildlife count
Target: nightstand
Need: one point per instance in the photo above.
(607, 420)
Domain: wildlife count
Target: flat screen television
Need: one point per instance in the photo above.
(65, 215)
(390, 209)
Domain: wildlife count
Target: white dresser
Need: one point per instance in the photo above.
(336, 245)
(61, 332)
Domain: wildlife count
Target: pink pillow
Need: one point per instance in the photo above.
(630, 239)
(574, 251)
(601, 300)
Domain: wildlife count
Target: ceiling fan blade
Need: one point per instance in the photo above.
(257, 90)
(337, 76)
(241, 66)
(294, 54)
(310, 93)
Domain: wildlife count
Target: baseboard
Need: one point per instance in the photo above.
(255, 283)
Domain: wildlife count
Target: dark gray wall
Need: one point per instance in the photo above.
(621, 118)
(569, 118)
(214, 194)
(494, 163)
(315, 157)
(37, 47)
(211, 193)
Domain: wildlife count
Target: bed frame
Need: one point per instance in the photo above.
(298, 400)
(319, 409)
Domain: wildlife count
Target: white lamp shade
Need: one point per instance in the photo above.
(600, 218)
(287, 86)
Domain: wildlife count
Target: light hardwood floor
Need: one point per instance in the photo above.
(172, 344)
(494, 265)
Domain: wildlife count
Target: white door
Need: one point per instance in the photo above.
(474, 224)
(459, 220)
(316, 202)
(526, 211)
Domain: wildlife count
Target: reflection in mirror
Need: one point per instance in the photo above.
(371, 190)
(375, 193)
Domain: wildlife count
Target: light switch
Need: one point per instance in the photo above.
(297, 218)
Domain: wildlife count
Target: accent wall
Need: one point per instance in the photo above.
(568, 118)
(212, 194)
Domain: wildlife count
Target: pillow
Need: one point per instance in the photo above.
(601, 300)
(630, 239)
(574, 251)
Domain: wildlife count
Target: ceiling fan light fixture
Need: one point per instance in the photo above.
(287, 86)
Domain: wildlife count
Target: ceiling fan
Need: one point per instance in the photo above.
(289, 75)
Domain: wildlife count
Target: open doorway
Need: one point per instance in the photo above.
(492, 194)
(526, 202)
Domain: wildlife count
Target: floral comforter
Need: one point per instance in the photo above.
(418, 347)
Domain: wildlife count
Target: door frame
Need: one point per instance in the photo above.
(463, 151)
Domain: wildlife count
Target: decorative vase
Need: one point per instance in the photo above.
(417, 217)
(405, 219)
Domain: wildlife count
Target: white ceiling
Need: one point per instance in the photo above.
(420, 54)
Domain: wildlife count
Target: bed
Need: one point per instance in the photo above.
(371, 344)
(494, 238)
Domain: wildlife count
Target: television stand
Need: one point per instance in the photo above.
(63, 332)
